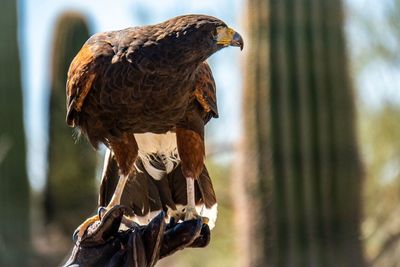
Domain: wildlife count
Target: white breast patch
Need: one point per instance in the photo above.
(162, 145)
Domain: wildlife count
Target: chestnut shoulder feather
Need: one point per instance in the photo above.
(205, 90)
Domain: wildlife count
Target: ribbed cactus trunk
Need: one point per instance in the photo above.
(299, 126)
(14, 187)
(70, 195)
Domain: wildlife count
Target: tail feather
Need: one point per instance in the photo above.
(140, 195)
(109, 180)
(145, 197)
(205, 199)
(206, 188)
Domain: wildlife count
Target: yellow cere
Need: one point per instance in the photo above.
(224, 35)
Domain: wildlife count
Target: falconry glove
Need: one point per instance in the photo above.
(139, 246)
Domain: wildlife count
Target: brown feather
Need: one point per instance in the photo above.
(150, 79)
(140, 79)
(206, 189)
(79, 82)
(125, 150)
(191, 151)
(143, 194)
(109, 179)
(205, 91)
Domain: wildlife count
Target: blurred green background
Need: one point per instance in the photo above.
(305, 156)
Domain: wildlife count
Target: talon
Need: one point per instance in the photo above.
(80, 231)
(101, 211)
(191, 214)
(75, 235)
(174, 216)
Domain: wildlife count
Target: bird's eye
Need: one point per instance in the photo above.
(214, 34)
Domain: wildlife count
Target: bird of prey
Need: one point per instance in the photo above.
(158, 183)
(133, 91)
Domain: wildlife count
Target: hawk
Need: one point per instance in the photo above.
(158, 183)
(139, 90)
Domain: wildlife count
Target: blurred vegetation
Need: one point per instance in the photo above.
(14, 187)
(379, 131)
(70, 193)
(300, 129)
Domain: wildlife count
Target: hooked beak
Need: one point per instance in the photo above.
(228, 37)
(237, 40)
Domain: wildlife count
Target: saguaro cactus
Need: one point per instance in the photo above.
(70, 194)
(14, 187)
(300, 154)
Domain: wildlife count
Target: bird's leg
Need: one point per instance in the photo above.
(125, 150)
(191, 212)
(116, 198)
(191, 151)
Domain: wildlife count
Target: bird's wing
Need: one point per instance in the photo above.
(112, 59)
(108, 58)
(83, 71)
(205, 90)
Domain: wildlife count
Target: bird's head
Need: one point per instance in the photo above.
(224, 36)
(200, 35)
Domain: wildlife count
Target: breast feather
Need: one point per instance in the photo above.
(161, 147)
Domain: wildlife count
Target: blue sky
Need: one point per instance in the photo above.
(377, 82)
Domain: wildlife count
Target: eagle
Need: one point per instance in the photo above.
(146, 93)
